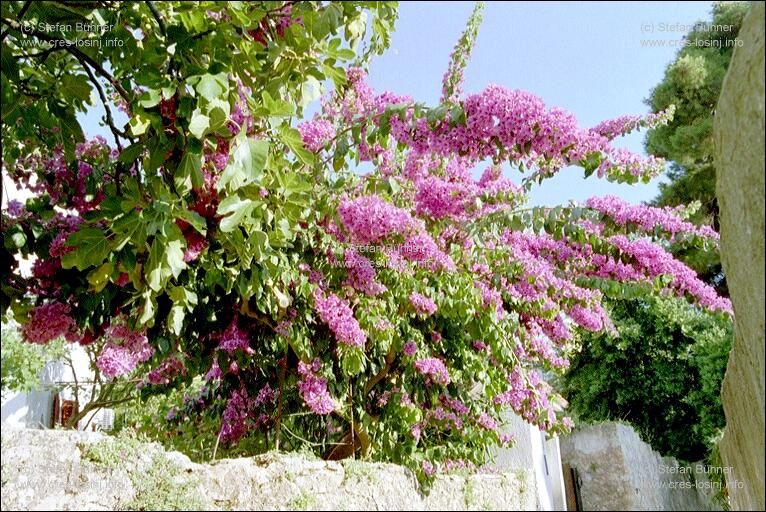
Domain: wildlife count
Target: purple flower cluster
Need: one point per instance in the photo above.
(486, 421)
(241, 117)
(370, 219)
(337, 314)
(123, 352)
(215, 371)
(361, 274)
(422, 250)
(422, 304)
(169, 368)
(444, 418)
(647, 218)
(452, 82)
(265, 395)
(438, 198)
(316, 134)
(313, 389)
(491, 298)
(410, 348)
(235, 338)
(195, 245)
(528, 397)
(655, 261)
(49, 322)
(454, 404)
(434, 369)
(514, 123)
(283, 328)
(623, 125)
(15, 208)
(234, 423)
(587, 318)
(67, 187)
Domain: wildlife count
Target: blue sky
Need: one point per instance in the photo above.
(586, 57)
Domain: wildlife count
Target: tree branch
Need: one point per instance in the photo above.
(68, 46)
(21, 14)
(157, 17)
(109, 119)
(381, 374)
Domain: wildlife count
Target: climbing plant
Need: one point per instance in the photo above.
(393, 314)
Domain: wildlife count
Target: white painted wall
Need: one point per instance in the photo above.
(34, 409)
(532, 451)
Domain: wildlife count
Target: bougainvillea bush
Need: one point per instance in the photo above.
(394, 314)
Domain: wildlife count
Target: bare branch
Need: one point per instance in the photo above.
(109, 119)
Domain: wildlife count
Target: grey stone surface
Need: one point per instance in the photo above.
(47, 470)
(739, 140)
(618, 471)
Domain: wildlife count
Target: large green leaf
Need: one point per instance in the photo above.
(91, 249)
(211, 87)
(166, 260)
(189, 174)
(184, 301)
(292, 139)
(199, 125)
(246, 164)
(238, 208)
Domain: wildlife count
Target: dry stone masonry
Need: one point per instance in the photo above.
(618, 471)
(67, 470)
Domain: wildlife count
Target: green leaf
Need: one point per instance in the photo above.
(175, 257)
(99, 277)
(148, 310)
(139, 123)
(166, 260)
(238, 208)
(75, 86)
(218, 111)
(130, 153)
(259, 240)
(292, 139)
(153, 269)
(150, 98)
(183, 300)
(311, 90)
(211, 87)
(199, 125)
(91, 249)
(18, 240)
(277, 107)
(189, 174)
(126, 228)
(247, 163)
(176, 319)
(194, 219)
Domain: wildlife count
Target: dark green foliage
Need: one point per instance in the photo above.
(663, 375)
(692, 83)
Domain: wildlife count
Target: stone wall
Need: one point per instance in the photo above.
(66, 470)
(739, 140)
(618, 471)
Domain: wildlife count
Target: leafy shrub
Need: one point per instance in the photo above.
(663, 375)
(391, 315)
(23, 362)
